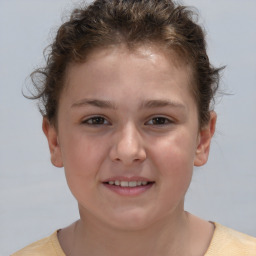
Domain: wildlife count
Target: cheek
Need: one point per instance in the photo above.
(82, 159)
(174, 158)
(83, 152)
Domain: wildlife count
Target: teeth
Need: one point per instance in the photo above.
(128, 183)
(124, 184)
(132, 183)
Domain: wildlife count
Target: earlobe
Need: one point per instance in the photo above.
(204, 141)
(52, 137)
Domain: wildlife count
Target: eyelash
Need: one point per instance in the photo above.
(162, 120)
(94, 121)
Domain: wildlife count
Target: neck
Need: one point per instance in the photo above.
(179, 235)
(165, 237)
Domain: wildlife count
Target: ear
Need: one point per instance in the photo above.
(204, 141)
(52, 137)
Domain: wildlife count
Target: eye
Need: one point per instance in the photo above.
(159, 121)
(96, 120)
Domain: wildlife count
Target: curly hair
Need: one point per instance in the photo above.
(131, 22)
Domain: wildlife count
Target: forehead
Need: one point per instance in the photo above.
(148, 59)
(153, 52)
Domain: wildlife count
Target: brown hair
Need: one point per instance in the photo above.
(130, 22)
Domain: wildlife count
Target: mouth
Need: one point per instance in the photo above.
(128, 187)
(130, 184)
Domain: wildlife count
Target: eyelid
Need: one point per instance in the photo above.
(169, 121)
(85, 121)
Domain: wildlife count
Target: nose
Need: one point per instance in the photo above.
(128, 146)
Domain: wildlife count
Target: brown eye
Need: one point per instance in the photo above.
(96, 120)
(159, 121)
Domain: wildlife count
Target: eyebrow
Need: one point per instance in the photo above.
(146, 104)
(162, 103)
(95, 103)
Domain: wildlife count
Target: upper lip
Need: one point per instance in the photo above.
(125, 178)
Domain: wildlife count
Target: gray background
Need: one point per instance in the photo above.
(34, 198)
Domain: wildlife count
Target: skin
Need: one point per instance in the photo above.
(147, 126)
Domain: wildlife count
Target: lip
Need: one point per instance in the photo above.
(128, 191)
(125, 178)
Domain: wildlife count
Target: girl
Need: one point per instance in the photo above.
(126, 99)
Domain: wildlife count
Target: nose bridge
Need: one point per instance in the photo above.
(128, 146)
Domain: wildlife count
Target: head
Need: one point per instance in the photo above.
(126, 98)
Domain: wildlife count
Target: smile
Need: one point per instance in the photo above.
(130, 184)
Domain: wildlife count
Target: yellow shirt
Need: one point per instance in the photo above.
(225, 242)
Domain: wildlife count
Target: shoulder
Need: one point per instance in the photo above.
(229, 242)
(46, 246)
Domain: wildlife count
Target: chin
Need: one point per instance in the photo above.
(131, 220)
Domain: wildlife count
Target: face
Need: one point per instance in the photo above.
(128, 136)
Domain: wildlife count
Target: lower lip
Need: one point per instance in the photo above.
(129, 191)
